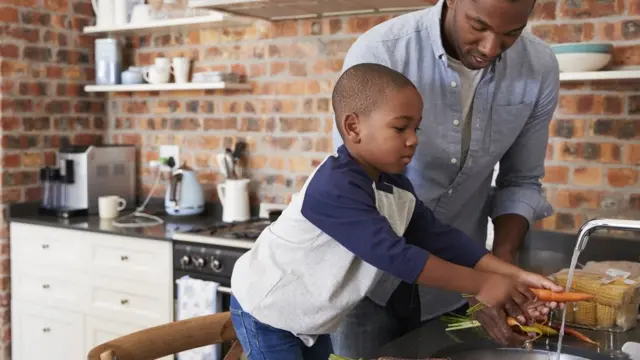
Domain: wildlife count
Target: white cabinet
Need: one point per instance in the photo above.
(73, 290)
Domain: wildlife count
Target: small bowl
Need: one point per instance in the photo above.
(576, 57)
(577, 62)
(575, 48)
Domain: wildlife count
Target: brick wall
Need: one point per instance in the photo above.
(592, 159)
(44, 63)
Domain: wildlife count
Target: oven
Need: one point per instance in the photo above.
(208, 262)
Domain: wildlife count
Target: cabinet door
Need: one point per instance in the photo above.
(100, 330)
(46, 333)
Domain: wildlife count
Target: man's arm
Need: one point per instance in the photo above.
(518, 201)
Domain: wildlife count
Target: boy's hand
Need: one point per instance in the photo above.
(496, 290)
(526, 301)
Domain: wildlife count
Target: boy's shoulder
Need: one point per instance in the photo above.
(340, 175)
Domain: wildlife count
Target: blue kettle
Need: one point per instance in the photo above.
(184, 196)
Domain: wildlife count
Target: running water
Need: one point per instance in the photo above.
(574, 261)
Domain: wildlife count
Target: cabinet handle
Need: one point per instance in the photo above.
(124, 301)
(124, 258)
(46, 330)
(45, 286)
(45, 246)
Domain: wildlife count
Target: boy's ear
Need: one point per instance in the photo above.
(351, 127)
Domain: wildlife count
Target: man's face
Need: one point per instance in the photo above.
(481, 30)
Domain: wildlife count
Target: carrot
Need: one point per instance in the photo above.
(563, 297)
(580, 336)
(512, 322)
(537, 328)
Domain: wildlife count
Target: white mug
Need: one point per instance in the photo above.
(109, 206)
(180, 68)
(162, 63)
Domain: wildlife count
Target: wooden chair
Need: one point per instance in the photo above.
(172, 338)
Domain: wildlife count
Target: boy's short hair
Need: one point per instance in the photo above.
(361, 87)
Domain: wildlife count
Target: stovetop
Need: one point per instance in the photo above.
(239, 234)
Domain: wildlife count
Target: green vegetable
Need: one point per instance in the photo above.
(338, 357)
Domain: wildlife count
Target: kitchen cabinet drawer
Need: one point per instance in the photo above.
(147, 261)
(100, 330)
(44, 333)
(133, 302)
(42, 245)
(54, 288)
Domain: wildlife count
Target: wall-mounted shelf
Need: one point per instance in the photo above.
(601, 75)
(274, 10)
(203, 21)
(168, 87)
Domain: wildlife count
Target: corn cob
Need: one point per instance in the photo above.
(605, 315)
(585, 313)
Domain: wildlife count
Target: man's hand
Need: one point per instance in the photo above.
(494, 321)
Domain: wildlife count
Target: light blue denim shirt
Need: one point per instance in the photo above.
(513, 105)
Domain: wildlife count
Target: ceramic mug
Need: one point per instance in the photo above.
(109, 206)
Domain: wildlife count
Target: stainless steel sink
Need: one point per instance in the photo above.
(482, 350)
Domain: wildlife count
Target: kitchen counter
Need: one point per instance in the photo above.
(543, 252)
(28, 213)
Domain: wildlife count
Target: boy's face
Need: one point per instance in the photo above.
(387, 137)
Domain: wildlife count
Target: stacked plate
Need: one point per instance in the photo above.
(576, 57)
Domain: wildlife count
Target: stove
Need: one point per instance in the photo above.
(239, 235)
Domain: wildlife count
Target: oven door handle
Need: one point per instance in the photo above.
(224, 289)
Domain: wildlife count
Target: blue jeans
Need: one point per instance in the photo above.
(369, 326)
(263, 342)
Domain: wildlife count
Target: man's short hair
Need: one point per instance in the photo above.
(362, 87)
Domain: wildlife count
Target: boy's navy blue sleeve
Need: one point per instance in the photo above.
(442, 240)
(342, 205)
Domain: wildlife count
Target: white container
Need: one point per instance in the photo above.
(234, 196)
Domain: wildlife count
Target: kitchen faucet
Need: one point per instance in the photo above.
(592, 225)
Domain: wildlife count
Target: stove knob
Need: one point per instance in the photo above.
(216, 265)
(185, 261)
(198, 261)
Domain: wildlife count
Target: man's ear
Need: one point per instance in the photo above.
(351, 127)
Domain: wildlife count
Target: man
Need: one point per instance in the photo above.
(489, 93)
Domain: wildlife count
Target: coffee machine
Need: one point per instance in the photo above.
(86, 172)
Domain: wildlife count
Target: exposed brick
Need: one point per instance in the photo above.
(620, 30)
(35, 18)
(578, 199)
(8, 14)
(566, 128)
(591, 104)
(10, 51)
(35, 53)
(25, 34)
(544, 10)
(587, 176)
(591, 8)
(622, 177)
(626, 55)
(634, 104)
(360, 24)
(556, 174)
(11, 160)
(57, 5)
(601, 152)
(10, 123)
(563, 33)
(632, 156)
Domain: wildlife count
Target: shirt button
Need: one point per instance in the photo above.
(456, 122)
(450, 192)
(454, 84)
(454, 160)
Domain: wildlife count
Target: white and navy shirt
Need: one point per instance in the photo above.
(331, 244)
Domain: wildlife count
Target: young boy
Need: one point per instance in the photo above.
(356, 216)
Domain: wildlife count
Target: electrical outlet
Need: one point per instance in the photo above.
(167, 151)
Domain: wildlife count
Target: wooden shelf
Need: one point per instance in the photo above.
(168, 87)
(203, 21)
(601, 75)
(274, 10)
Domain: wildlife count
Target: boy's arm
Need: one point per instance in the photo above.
(445, 241)
(344, 208)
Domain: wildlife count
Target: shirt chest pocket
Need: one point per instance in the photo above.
(506, 123)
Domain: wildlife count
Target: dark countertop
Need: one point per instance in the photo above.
(28, 213)
(543, 252)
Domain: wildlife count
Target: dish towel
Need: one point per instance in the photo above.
(198, 298)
